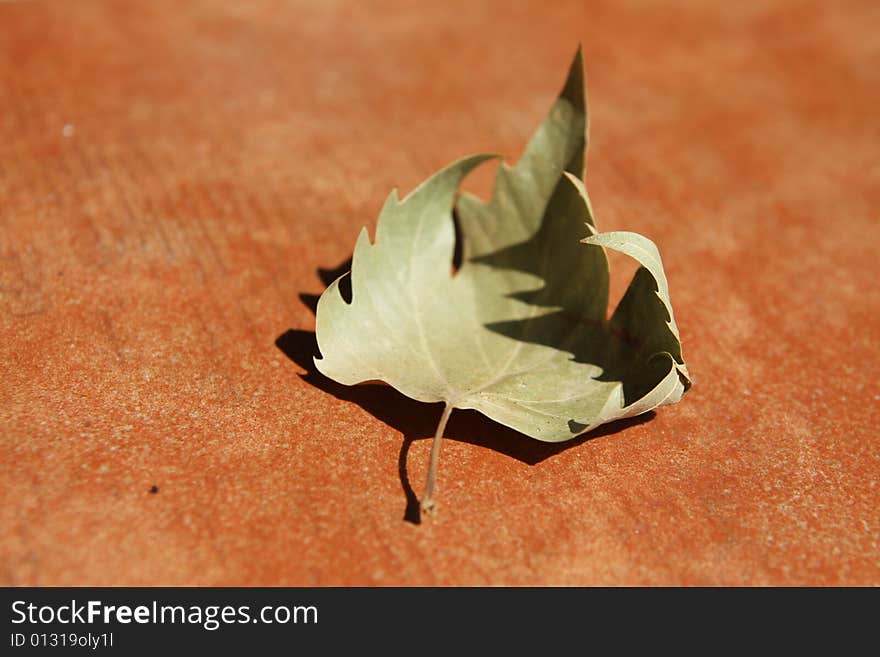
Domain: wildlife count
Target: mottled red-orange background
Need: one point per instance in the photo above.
(172, 176)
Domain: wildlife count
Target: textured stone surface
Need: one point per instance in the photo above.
(173, 175)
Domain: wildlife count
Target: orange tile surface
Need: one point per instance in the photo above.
(173, 176)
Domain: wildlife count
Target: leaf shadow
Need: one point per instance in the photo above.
(417, 420)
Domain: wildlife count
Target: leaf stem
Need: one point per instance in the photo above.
(428, 504)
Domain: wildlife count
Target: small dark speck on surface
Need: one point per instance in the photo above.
(154, 489)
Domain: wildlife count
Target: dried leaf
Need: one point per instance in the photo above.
(519, 332)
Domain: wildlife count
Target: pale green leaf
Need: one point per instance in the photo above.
(519, 332)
